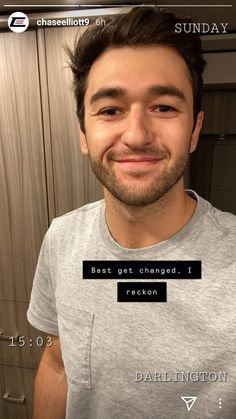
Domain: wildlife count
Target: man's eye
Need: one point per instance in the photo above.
(164, 108)
(110, 112)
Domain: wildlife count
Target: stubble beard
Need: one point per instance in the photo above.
(135, 195)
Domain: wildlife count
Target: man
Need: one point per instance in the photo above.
(138, 88)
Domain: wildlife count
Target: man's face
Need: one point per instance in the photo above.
(139, 122)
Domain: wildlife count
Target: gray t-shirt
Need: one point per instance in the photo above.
(136, 360)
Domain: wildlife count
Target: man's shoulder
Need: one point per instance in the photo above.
(85, 210)
(215, 218)
(81, 217)
(224, 221)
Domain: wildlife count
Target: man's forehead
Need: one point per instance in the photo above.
(147, 69)
(151, 91)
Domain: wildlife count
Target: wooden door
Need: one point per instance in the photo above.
(16, 392)
(23, 202)
(23, 214)
(74, 183)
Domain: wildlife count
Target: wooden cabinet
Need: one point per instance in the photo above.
(201, 165)
(219, 108)
(230, 112)
(24, 216)
(20, 343)
(42, 175)
(212, 171)
(223, 174)
(16, 392)
(23, 202)
(213, 106)
(74, 183)
(1, 390)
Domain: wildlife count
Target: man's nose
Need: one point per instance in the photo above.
(137, 130)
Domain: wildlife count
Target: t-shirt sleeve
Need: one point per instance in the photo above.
(42, 313)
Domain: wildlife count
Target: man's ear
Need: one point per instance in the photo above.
(83, 141)
(196, 132)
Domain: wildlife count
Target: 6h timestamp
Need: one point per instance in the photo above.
(23, 341)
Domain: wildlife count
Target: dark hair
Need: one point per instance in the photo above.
(140, 26)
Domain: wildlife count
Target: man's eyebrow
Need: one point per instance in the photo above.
(107, 92)
(169, 90)
(155, 90)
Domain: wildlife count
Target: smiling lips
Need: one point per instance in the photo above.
(138, 161)
(142, 158)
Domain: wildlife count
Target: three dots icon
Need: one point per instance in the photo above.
(220, 403)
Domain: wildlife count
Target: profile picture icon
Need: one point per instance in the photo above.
(18, 22)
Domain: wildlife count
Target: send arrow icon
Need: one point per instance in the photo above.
(190, 400)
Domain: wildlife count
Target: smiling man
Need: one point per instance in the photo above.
(139, 133)
(138, 87)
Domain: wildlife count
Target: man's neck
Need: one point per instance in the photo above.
(138, 227)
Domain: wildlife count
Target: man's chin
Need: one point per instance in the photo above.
(137, 170)
(131, 197)
(141, 190)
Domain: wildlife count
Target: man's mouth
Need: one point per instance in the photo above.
(138, 162)
(138, 159)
